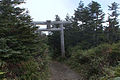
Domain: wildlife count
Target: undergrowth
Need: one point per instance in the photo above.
(99, 63)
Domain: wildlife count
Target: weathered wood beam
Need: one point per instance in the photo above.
(51, 23)
(39, 23)
(52, 29)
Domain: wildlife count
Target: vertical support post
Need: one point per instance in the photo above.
(62, 41)
(48, 24)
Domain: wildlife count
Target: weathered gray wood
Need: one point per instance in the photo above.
(60, 22)
(62, 41)
(48, 24)
(52, 29)
(52, 22)
(39, 23)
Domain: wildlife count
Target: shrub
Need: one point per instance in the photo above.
(34, 68)
(92, 63)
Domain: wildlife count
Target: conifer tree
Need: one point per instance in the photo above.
(113, 28)
(89, 21)
(16, 34)
(95, 22)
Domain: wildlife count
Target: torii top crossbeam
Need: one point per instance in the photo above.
(51, 22)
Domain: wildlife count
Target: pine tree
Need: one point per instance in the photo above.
(113, 28)
(81, 26)
(23, 53)
(95, 23)
(89, 21)
(16, 32)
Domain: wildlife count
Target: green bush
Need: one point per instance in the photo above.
(2, 73)
(92, 64)
(112, 73)
(34, 68)
(29, 70)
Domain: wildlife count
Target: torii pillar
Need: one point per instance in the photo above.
(62, 40)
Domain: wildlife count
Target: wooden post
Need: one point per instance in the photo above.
(62, 41)
(48, 24)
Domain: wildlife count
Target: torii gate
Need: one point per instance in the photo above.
(61, 29)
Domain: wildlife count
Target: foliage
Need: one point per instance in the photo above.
(16, 31)
(112, 30)
(2, 73)
(92, 64)
(23, 53)
(112, 73)
(35, 68)
(87, 28)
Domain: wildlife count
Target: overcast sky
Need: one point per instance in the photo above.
(42, 10)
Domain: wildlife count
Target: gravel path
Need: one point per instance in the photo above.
(60, 71)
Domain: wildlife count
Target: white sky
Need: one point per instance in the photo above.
(42, 10)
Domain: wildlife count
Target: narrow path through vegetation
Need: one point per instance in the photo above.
(60, 71)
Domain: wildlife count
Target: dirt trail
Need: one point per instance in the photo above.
(60, 71)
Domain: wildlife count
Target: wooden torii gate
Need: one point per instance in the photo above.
(49, 28)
